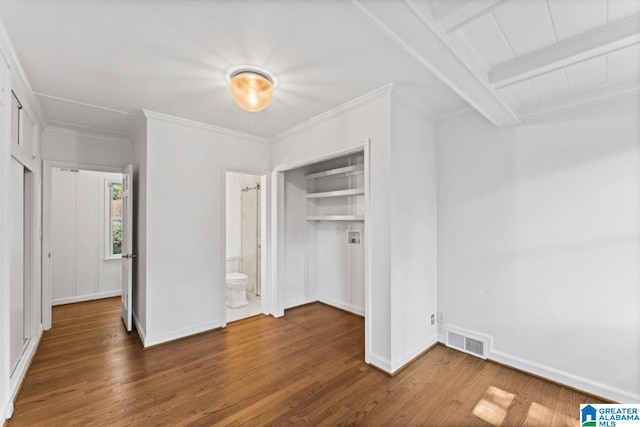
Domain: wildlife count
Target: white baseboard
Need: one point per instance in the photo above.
(139, 328)
(380, 362)
(298, 302)
(413, 353)
(81, 298)
(182, 333)
(575, 381)
(343, 306)
(20, 372)
(8, 410)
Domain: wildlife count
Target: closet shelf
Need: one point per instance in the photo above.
(337, 193)
(336, 218)
(347, 170)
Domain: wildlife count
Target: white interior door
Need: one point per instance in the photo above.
(127, 244)
(16, 289)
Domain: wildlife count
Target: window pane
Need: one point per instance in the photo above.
(116, 218)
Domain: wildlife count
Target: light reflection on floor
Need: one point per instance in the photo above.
(495, 403)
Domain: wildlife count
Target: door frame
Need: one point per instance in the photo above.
(47, 276)
(278, 225)
(265, 238)
(30, 271)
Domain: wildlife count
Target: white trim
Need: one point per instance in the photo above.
(84, 133)
(380, 363)
(88, 297)
(152, 115)
(84, 104)
(414, 352)
(19, 374)
(368, 97)
(182, 333)
(8, 409)
(342, 305)
(108, 219)
(565, 378)
(141, 333)
(317, 159)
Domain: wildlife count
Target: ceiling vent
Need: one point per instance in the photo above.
(467, 343)
(68, 170)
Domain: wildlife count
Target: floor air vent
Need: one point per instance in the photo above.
(463, 342)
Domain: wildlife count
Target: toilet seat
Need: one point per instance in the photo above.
(236, 277)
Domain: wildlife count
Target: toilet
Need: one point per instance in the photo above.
(236, 290)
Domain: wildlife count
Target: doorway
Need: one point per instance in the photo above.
(245, 236)
(82, 234)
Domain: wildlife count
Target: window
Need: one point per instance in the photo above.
(114, 219)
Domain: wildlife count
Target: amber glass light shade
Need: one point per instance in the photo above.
(252, 91)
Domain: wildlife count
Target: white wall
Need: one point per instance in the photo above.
(413, 236)
(338, 131)
(139, 286)
(184, 225)
(539, 242)
(233, 217)
(84, 148)
(79, 227)
(5, 251)
(294, 281)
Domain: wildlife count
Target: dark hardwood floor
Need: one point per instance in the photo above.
(305, 368)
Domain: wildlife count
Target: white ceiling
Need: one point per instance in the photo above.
(514, 60)
(95, 65)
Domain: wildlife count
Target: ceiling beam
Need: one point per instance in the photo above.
(412, 31)
(617, 35)
(592, 95)
(453, 15)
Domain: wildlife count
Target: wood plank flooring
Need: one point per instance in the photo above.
(305, 368)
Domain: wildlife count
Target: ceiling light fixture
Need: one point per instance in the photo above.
(251, 87)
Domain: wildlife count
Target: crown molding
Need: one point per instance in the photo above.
(65, 129)
(349, 105)
(84, 104)
(11, 58)
(152, 115)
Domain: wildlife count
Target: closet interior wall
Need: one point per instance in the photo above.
(324, 206)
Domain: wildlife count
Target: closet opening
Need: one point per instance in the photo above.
(322, 235)
(245, 286)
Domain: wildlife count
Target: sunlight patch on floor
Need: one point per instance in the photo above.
(541, 415)
(492, 408)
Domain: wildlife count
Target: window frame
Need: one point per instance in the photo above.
(108, 219)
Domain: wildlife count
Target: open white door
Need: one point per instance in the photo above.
(127, 244)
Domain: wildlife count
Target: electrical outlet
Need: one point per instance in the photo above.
(440, 317)
(433, 319)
